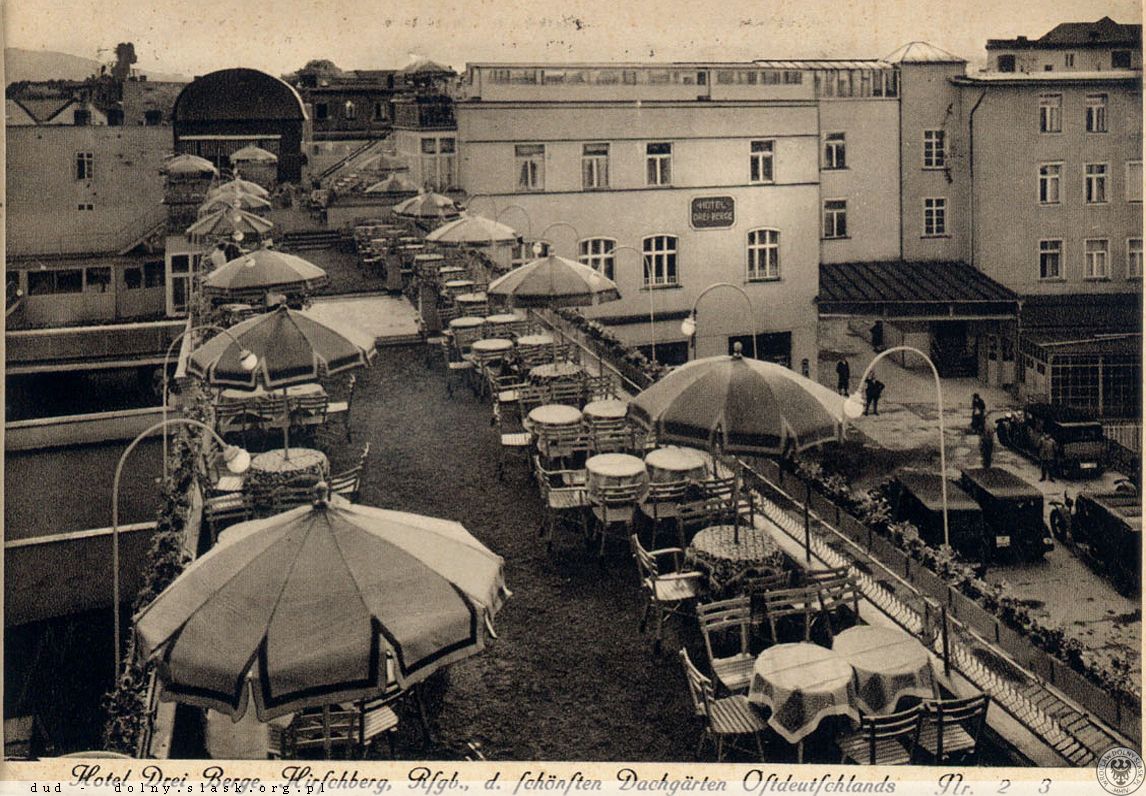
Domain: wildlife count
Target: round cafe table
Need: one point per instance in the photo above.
(534, 340)
(676, 464)
(552, 417)
(466, 322)
(491, 348)
(470, 301)
(717, 551)
(504, 319)
(555, 371)
(605, 411)
(235, 395)
(451, 272)
(273, 468)
(457, 287)
(802, 684)
(888, 664)
(614, 469)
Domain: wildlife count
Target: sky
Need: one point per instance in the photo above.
(279, 36)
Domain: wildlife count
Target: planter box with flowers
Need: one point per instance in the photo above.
(632, 364)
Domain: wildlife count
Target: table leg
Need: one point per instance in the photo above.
(800, 753)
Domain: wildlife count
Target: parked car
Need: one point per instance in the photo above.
(1012, 509)
(1078, 437)
(918, 498)
(1107, 528)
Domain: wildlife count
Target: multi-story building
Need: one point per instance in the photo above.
(668, 178)
(1070, 47)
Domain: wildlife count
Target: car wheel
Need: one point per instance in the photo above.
(1060, 524)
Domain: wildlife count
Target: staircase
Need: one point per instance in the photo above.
(310, 239)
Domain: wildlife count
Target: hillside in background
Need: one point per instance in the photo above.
(20, 64)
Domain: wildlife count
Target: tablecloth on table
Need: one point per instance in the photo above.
(802, 684)
(715, 551)
(888, 665)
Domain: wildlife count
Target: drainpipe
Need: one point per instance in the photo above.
(971, 170)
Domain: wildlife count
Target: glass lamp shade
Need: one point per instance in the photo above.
(237, 459)
(688, 326)
(853, 406)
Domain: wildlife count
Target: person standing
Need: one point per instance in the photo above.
(868, 393)
(978, 414)
(1046, 452)
(876, 392)
(843, 377)
(986, 445)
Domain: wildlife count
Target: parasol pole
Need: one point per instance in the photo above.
(286, 427)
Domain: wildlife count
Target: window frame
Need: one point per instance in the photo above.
(837, 212)
(761, 161)
(83, 166)
(536, 182)
(1059, 252)
(838, 147)
(607, 260)
(1097, 179)
(938, 217)
(663, 168)
(769, 250)
(938, 149)
(1049, 113)
(1098, 121)
(649, 262)
(1136, 183)
(1088, 272)
(592, 163)
(1130, 274)
(1045, 181)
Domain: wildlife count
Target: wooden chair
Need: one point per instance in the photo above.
(515, 440)
(811, 577)
(505, 388)
(232, 418)
(611, 438)
(339, 727)
(668, 592)
(310, 410)
(342, 408)
(662, 502)
(271, 411)
(614, 505)
(566, 392)
(719, 618)
(696, 515)
(780, 604)
(755, 586)
(730, 717)
(599, 388)
(531, 396)
(562, 498)
(225, 510)
(839, 596)
(292, 495)
(457, 366)
(952, 728)
(348, 483)
(890, 740)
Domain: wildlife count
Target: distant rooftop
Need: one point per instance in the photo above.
(1103, 33)
(920, 52)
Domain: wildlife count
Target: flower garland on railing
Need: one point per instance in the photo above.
(628, 360)
(872, 508)
(128, 713)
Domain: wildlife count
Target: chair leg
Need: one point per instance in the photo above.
(719, 748)
(645, 614)
(759, 746)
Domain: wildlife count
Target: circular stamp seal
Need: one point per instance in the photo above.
(1120, 771)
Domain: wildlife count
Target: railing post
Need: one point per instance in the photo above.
(807, 523)
(946, 643)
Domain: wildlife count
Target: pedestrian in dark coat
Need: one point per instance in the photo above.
(978, 414)
(843, 377)
(987, 445)
(868, 393)
(876, 392)
(1046, 451)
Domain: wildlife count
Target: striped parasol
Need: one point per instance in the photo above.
(228, 221)
(262, 270)
(472, 230)
(427, 206)
(554, 282)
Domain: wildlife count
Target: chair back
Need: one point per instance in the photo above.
(348, 483)
(293, 494)
(668, 492)
(721, 616)
(226, 510)
(566, 392)
(818, 576)
(611, 438)
(782, 603)
(599, 388)
(617, 495)
(756, 586)
(646, 562)
(699, 687)
(968, 713)
(310, 730)
(902, 727)
(719, 488)
(311, 407)
(271, 408)
(532, 396)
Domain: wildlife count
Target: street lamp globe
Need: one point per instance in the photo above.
(248, 360)
(853, 406)
(237, 459)
(688, 326)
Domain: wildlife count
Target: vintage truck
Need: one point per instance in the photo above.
(1078, 437)
(1012, 510)
(1105, 527)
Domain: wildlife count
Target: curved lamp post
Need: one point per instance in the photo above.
(489, 196)
(854, 406)
(688, 325)
(249, 362)
(541, 235)
(237, 459)
(528, 221)
(652, 296)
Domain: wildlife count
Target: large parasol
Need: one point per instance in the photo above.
(228, 221)
(554, 282)
(229, 200)
(253, 154)
(188, 165)
(394, 184)
(238, 184)
(262, 270)
(427, 206)
(310, 604)
(472, 230)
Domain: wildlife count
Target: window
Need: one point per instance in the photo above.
(763, 254)
(42, 283)
(835, 151)
(1006, 63)
(85, 165)
(1050, 259)
(658, 164)
(761, 162)
(97, 280)
(934, 149)
(597, 253)
(1134, 181)
(934, 217)
(836, 218)
(1050, 175)
(153, 275)
(85, 206)
(1050, 113)
(1068, 60)
(132, 278)
(1096, 113)
(594, 166)
(1096, 258)
(351, 112)
(321, 111)
(1133, 258)
(1120, 59)
(660, 260)
(1095, 183)
(379, 111)
(530, 167)
(152, 118)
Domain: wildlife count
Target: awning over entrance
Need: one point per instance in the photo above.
(918, 291)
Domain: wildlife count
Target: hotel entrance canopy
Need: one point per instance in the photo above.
(917, 291)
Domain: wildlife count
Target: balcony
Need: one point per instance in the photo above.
(425, 113)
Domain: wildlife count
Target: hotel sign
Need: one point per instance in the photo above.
(712, 212)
